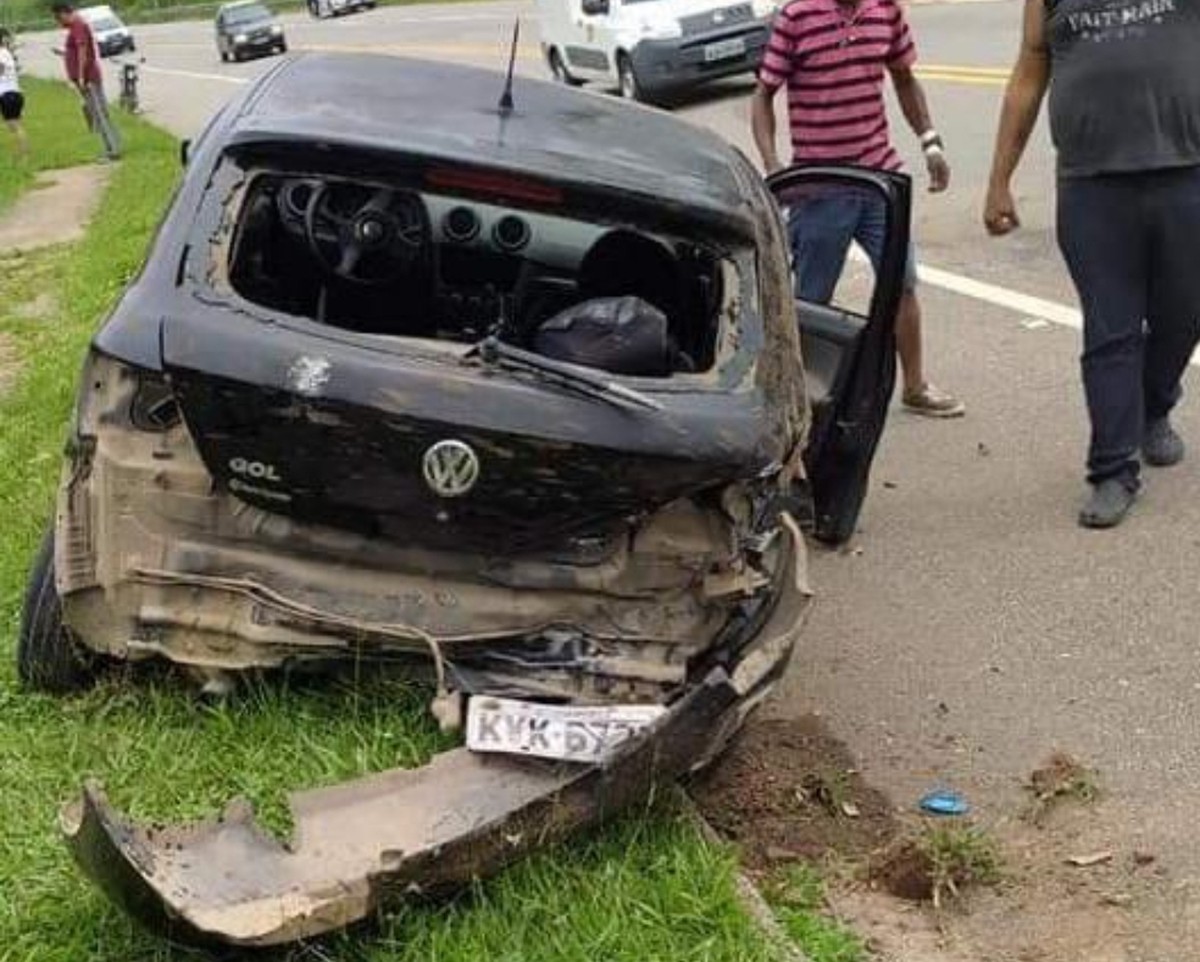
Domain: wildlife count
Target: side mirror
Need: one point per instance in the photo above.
(595, 8)
(185, 148)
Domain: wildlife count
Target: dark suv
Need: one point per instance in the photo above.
(248, 28)
(508, 392)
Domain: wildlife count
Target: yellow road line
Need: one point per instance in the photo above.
(968, 71)
(492, 53)
(941, 76)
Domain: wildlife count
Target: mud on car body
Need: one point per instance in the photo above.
(512, 394)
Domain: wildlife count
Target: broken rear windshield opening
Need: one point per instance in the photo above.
(378, 258)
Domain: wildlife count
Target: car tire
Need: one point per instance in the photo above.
(282, 48)
(49, 656)
(627, 81)
(236, 55)
(224, 56)
(559, 70)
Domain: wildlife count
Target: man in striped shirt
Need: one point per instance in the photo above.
(833, 55)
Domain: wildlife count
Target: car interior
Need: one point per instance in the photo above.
(379, 259)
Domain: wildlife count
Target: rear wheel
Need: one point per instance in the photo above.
(560, 71)
(627, 79)
(283, 48)
(49, 656)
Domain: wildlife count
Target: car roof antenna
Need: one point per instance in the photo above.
(506, 98)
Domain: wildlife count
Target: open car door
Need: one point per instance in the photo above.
(849, 351)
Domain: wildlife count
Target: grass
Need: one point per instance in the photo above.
(35, 14)
(959, 856)
(647, 888)
(796, 894)
(57, 134)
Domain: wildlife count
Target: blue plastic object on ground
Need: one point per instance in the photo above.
(945, 803)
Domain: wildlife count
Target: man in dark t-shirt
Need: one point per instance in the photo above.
(1124, 82)
(81, 61)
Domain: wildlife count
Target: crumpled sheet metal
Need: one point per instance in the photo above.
(364, 844)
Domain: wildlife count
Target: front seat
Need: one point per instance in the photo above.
(629, 289)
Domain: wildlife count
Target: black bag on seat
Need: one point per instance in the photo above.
(621, 335)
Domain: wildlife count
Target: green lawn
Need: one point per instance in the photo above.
(35, 14)
(57, 134)
(645, 889)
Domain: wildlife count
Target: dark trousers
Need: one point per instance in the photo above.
(1132, 244)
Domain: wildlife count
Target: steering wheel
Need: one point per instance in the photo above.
(388, 230)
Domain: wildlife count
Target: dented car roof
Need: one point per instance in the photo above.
(553, 132)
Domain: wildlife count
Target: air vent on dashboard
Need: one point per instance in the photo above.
(511, 233)
(461, 224)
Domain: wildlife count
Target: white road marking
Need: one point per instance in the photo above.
(1044, 310)
(223, 78)
(448, 18)
(1040, 310)
(1005, 297)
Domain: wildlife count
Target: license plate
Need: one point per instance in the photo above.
(565, 732)
(725, 49)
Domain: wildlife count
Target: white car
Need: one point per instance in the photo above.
(333, 8)
(112, 36)
(649, 48)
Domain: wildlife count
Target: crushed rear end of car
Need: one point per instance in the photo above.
(436, 407)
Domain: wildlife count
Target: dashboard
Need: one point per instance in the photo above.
(481, 260)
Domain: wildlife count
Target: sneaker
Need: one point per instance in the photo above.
(1161, 444)
(1108, 504)
(933, 403)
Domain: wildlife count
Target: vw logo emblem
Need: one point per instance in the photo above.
(450, 468)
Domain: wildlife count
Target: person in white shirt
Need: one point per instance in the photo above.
(12, 101)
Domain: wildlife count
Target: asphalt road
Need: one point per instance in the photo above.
(974, 628)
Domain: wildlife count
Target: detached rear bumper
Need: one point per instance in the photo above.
(364, 844)
(663, 66)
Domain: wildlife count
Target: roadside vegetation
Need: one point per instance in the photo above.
(796, 894)
(647, 888)
(57, 137)
(35, 14)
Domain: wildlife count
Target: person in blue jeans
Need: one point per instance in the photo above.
(822, 229)
(834, 58)
(1124, 84)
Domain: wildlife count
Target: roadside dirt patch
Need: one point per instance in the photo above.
(1060, 779)
(56, 211)
(905, 872)
(1064, 886)
(786, 790)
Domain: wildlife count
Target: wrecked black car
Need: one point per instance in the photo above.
(511, 394)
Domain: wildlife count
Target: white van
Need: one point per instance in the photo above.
(112, 36)
(648, 48)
